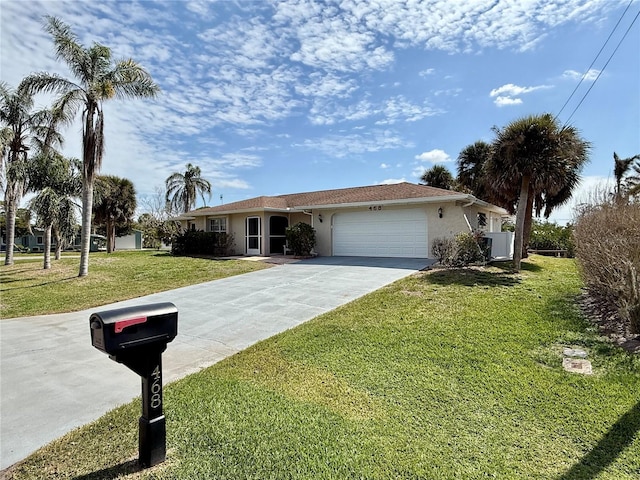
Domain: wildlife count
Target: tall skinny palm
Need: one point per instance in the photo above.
(543, 159)
(22, 128)
(183, 189)
(621, 167)
(97, 79)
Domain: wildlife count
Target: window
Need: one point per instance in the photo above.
(218, 225)
(39, 240)
(482, 220)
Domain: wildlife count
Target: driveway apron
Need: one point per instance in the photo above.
(52, 380)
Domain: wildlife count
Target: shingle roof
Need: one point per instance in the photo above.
(373, 193)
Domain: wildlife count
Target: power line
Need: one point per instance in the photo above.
(595, 59)
(603, 68)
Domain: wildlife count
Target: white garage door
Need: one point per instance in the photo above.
(381, 233)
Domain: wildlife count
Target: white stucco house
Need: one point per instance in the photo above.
(398, 220)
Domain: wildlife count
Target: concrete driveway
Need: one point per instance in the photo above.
(53, 380)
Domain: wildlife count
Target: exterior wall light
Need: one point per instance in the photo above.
(440, 212)
(320, 217)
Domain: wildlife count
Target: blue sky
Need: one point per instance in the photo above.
(292, 96)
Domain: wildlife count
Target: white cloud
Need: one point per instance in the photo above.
(507, 94)
(427, 72)
(507, 101)
(340, 146)
(589, 76)
(434, 156)
(384, 165)
(392, 181)
(514, 90)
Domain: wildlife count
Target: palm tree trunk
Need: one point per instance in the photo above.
(528, 223)
(520, 216)
(58, 237)
(111, 234)
(85, 235)
(10, 207)
(47, 247)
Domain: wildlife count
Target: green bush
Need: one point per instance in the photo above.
(301, 238)
(551, 236)
(197, 242)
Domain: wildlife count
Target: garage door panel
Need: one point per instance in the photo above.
(385, 233)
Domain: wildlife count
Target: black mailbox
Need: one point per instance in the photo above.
(136, 337)
(115, 331)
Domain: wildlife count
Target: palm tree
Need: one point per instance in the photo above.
(58, 181)
(621, 167)
(115, 205)
(471, 161)
(21, 127)
(543, 160)
(183, 189)
(97, 79)
(438, 177)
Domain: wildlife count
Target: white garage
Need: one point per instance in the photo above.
(379, 232)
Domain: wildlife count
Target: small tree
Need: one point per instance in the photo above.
(115, 205)
(301, 238)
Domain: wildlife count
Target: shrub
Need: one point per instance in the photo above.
(551, 236)
(444, 250)
(197, 242)
(460, 251)
(301, 238)
(607, 239)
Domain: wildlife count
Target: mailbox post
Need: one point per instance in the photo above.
(136, 337)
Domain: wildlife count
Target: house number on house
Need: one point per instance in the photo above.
(375, 208)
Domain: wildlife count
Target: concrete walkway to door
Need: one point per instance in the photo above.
(53, 380)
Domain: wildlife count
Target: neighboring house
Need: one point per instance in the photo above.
(399, 220)
(35, 243)
(133, 241)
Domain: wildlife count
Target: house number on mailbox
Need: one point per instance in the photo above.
(375, 208)
(156, 387)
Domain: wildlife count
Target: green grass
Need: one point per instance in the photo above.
(442, 375)
(27, 289)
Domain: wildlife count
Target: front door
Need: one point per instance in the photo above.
(253, 236)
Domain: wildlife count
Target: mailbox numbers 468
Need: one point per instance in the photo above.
(156, 388)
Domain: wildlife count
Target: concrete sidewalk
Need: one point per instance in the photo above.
(52, 380)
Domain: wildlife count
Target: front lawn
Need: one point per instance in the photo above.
(442, 375)
(26, 289)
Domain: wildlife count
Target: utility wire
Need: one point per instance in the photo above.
(603, 68)
(594, 60)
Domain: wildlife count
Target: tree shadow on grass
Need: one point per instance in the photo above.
(619, 437)
(111, 473)
(525, 265)
(60, 280)
(471, 277)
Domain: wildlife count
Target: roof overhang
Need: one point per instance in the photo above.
(462, 199)
(220, 213)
